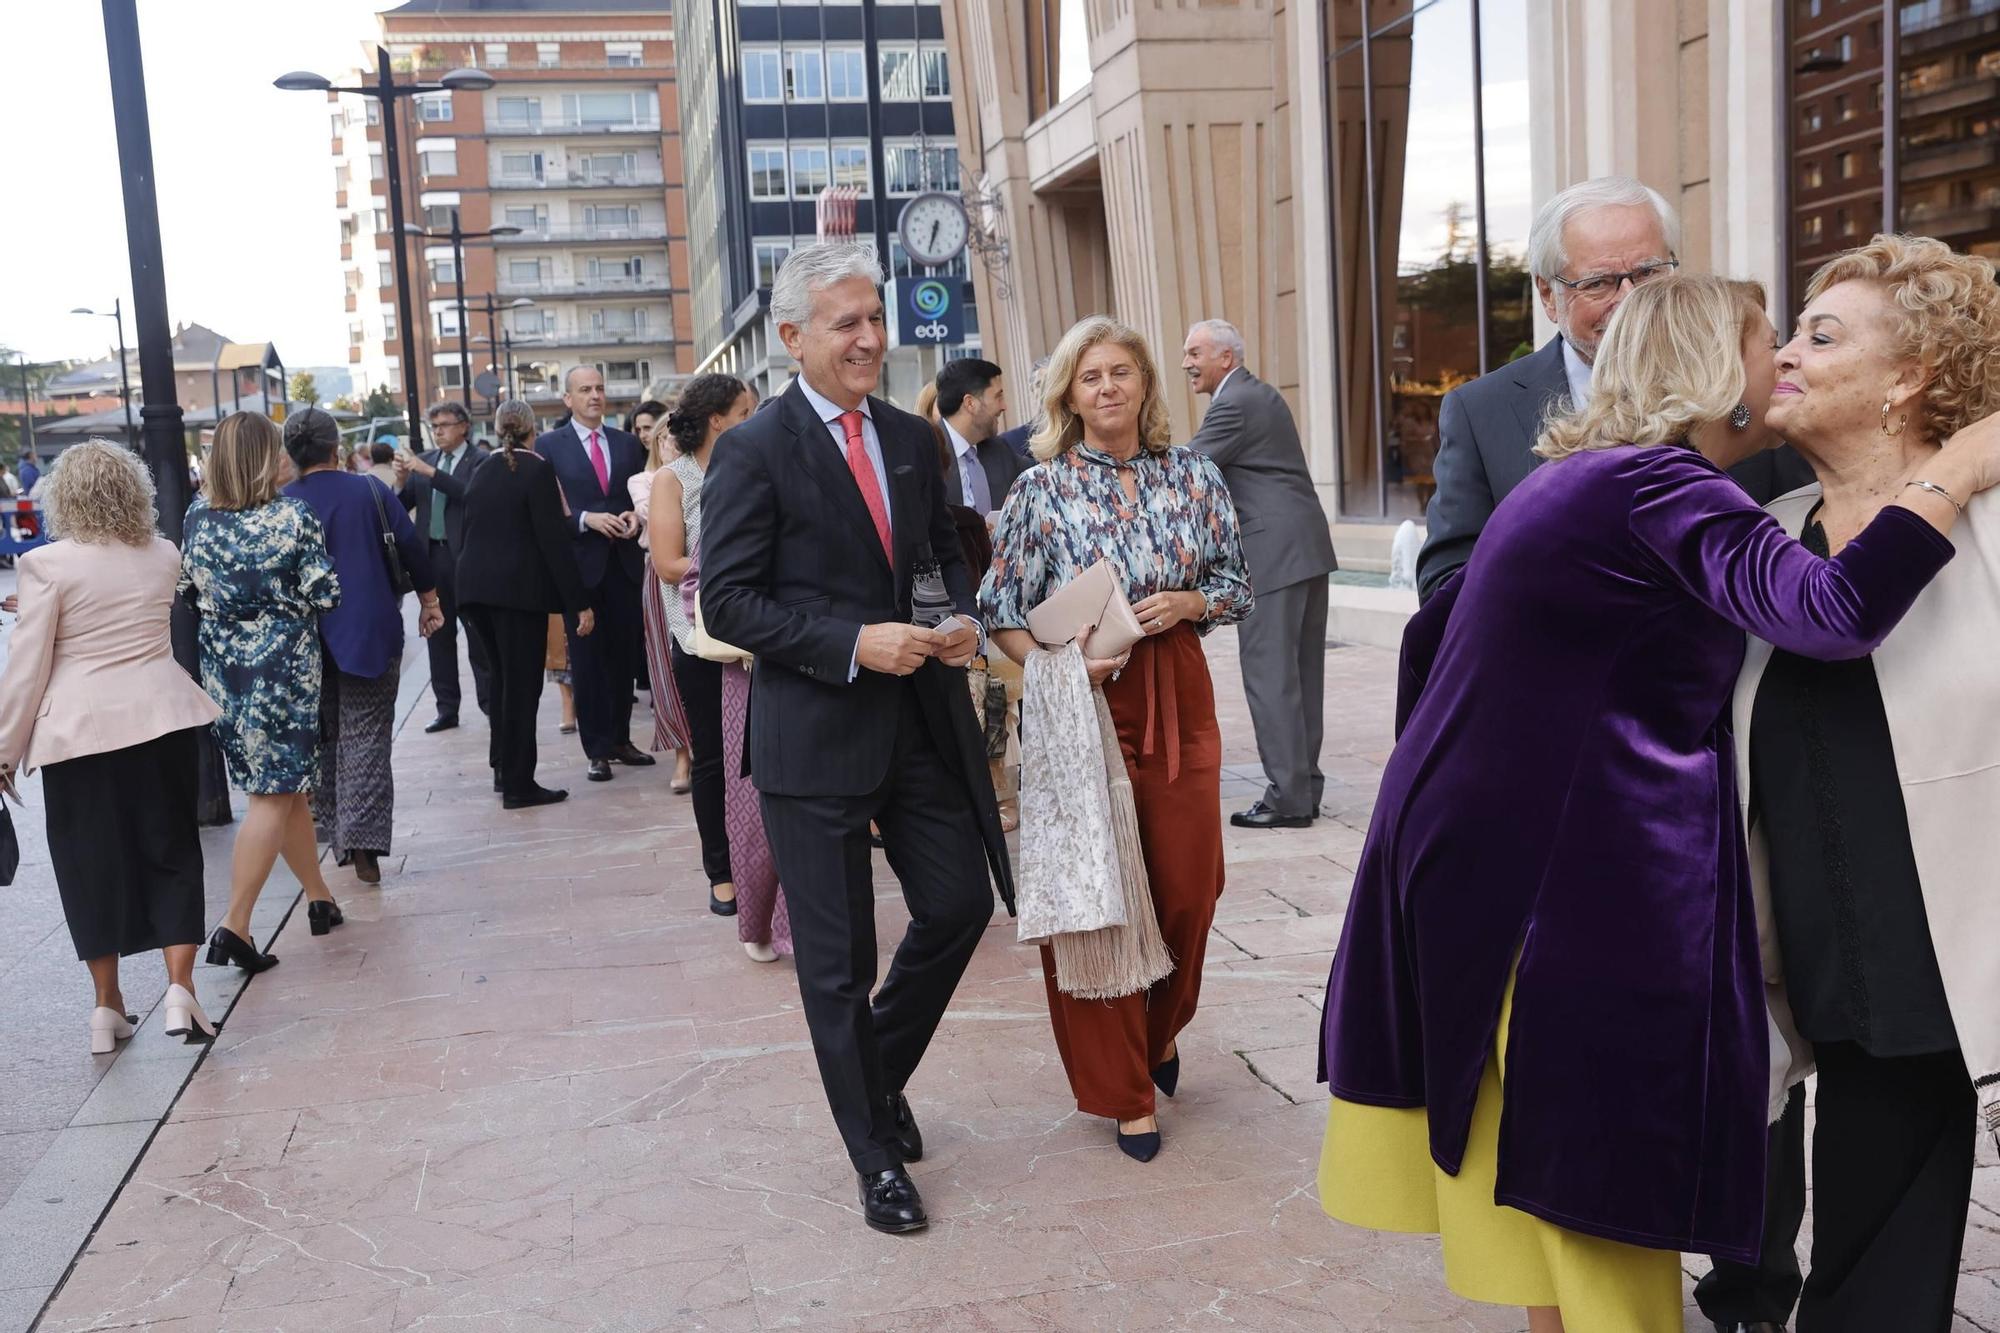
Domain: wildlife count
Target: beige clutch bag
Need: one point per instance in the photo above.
(1094, 597)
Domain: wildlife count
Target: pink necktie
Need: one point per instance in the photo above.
(598, 464)
(864, 477)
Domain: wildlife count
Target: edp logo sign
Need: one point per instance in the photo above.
(926, 312)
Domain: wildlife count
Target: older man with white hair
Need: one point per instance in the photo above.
(1281, 646)
(1588, 247)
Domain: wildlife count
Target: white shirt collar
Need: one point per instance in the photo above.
(1577, 370)
(960, 446)
(1225, 379)
(583, 432)
(825, 408)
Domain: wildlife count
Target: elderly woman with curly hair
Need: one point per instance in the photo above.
(1873, 785)
(92, 695)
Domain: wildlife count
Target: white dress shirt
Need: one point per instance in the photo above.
(583, 434)
(968, 459)
(1578, 371)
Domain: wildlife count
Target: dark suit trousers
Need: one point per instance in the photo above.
(868, 1051)
(1281, 647)
(700, 685)
(443, 645)
(601, 663)
(519, 641)
(1765, 1291)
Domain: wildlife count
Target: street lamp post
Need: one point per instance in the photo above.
(117, 312)
(459, 237)
(493, 335)
(386, 90)
(506, 345)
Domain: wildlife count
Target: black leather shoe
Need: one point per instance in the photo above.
(908, 1136)
(498, 785)
(539, 796)
(890, 1202)
(322, 917)
(367, 868)
(633, 757)
(1260, 815)
(600, 770)
(442, 722)
(1140, 1147)
(1167, 1074)
(228, 949)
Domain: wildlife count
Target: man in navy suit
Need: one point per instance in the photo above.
(828, 552)
(593, 462)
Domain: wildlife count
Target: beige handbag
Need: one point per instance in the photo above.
(1096, 598)
(711, 649)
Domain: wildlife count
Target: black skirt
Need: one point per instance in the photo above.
(125, 846)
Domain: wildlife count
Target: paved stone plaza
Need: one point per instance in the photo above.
(533, 1084)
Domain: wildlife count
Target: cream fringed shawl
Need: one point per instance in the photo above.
(1082, 883)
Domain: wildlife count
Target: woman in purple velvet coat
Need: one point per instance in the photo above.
(1544, 1030)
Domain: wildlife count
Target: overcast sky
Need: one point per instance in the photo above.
(245, 178)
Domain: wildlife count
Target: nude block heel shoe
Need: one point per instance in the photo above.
(108, 1027)
(185, 1018)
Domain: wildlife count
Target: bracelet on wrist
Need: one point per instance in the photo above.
(1937, 490)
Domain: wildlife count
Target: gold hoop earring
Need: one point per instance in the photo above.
(1901, 421)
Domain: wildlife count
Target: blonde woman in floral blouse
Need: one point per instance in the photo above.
(1111, 487)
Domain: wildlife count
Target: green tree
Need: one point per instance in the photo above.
(305, 389)
(380, 403)
(38, 373)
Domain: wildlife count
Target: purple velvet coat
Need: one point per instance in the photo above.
(1564, 788)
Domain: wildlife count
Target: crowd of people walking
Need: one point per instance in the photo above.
(1692, 795)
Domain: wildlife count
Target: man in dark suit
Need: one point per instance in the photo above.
(433, 488)
(1281, 646)
(979, 469)
(824, 537)
(593, 462)
(1587, 247)
(1016, 440)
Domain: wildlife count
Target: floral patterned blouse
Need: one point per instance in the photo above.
(1066, 515)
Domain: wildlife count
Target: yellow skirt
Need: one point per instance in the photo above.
(1375, 1171)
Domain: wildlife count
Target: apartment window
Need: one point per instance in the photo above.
(624, 55)
(385, 274)
(625, 372)
(762, 81)
(609, 109)
(388, 321)
(846, 74)
(606, 167)
(524, 272)
(1850, 166)
(437, 217)
(354, 335)
(768, 256)
(438, 161)
(528, 217)
(449, 376)
(1813, 230)
(520, 112)
(618, 322)
(1845, 47)
(447, 322)
(548, 54)
(907, 171)
(339, 123)
(1812, 8)
(767, 173)
(908, 73)
(850, 166)
(1810, 118)
(521, 166)
(442, 271)
(810, 170)
(937, 75)
(1812, 176)
(609, 217)
(496, 55)
(372, 111)
(805, 75)
(434, 106)
(374, 166)
(340, 177)
(1844, 221)
(627, 270)
(1843, 108)
(1874, 97)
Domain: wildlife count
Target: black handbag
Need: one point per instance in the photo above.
(400, 581)
(10, 846)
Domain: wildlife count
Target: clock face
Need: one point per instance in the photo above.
(933, 228)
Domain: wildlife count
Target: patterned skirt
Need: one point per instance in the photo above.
(670, 725)
(760, 908)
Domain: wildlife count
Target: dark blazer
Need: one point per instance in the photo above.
(417, 491)
(1016, 441)
(518, 550)
(1250, 435)
(791, 569)
(625, 457)
(1486, 440)
(1000, 464)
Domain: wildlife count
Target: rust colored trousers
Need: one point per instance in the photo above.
(1164, 706)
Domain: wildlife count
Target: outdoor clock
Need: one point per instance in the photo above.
(934, 228)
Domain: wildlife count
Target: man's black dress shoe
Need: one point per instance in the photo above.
(442, 722)
(600, 770)
(539, 796)
(890, 1202)
(908, 1136)
(1260, 815)
(633, 757)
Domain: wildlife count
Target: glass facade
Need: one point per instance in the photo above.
(1427, 129)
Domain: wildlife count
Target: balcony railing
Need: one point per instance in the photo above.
(585, 286)
(573, 125)
(577, 180)
(1949, 159)
(631, 231)
(591, 338)
(1948, 223)
(1954, 96)
(1926, 22)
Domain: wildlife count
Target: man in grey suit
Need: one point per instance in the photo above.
(434, 488)
(1250, 434)
(1587, 248)
(1589, 245)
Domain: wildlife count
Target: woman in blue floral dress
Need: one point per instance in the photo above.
(1112, 487)
(255, 567)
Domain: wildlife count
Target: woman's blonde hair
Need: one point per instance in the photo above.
(1947, 311)
(242, 470)
(926, 404)
(1061, 428)
(100, 492)
(1671, 360)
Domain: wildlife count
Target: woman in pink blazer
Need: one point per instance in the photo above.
(92, 696)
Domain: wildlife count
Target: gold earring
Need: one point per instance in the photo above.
(1901, 421)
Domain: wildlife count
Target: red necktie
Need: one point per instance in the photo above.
(598, 464)
(864, 477)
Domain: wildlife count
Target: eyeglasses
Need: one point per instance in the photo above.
(1603, 284)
